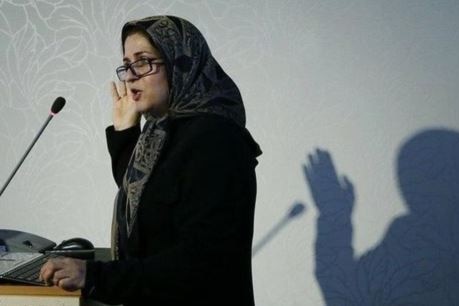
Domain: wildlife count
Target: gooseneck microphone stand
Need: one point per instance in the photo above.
(55, 108)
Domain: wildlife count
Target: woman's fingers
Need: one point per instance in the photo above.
(48, 270)
(58, 275)
(66, 273)
(125, 114)
(118, 91)
(66, 284)
(46, 276)
(114, 90)
(122, 89)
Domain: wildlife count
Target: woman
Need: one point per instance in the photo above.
(183, 221)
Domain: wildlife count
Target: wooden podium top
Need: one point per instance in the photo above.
(11, 289)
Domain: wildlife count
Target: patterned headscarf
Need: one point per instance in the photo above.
(197, 85)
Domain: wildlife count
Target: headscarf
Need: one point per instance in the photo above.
(197, 85)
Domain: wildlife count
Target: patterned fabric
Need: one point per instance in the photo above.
(197, 85)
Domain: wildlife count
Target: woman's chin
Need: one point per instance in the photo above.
(152, 109)
(143, 107)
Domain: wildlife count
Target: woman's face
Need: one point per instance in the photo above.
(150, 92)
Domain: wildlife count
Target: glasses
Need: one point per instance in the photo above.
(139, 68)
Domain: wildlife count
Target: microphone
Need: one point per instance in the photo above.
(57, 106)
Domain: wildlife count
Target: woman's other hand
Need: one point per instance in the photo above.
(66, 273)
(125, 114)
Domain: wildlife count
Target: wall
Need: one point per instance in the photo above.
(355, 79)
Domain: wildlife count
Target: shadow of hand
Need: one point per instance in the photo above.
(330, 193)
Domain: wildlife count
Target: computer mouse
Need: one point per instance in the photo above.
(75, 244)
(75, 247)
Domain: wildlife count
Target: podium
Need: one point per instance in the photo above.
(18, 295)
(24, 295)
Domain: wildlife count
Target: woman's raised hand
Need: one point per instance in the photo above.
(125, 114)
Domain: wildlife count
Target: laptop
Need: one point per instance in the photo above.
(23, 254)
(21, 267)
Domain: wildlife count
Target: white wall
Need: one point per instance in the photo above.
(357, 78)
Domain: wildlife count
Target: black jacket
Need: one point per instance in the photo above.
(195, 220)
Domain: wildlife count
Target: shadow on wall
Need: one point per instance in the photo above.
(417, 262)
(295, 211)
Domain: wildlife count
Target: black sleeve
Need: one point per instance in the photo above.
(212, 259)
(120, 146)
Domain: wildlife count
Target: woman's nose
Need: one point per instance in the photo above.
(130, 76)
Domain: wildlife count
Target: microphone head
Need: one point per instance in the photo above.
(296, 210)
(57, 105)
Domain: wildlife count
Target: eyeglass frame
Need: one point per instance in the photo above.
(124, 68)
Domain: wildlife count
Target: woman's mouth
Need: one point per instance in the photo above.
(136, 94)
